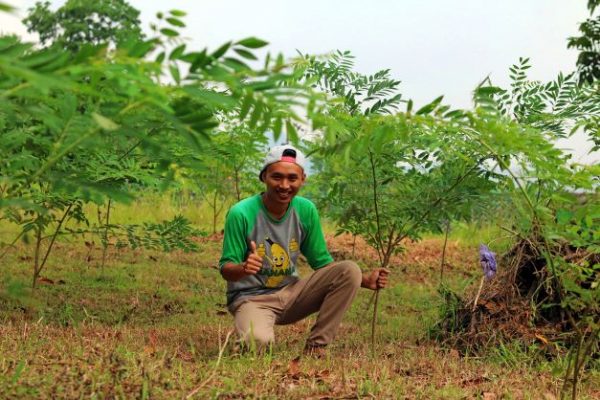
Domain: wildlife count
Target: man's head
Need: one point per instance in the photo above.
(283, 173)
(283, 153)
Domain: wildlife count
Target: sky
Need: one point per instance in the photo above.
(435, 47)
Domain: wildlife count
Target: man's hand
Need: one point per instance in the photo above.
(253, 263)
(376, 279)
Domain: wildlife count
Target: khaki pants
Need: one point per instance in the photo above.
(328, 290)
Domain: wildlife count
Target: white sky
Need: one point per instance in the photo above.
(434, 47)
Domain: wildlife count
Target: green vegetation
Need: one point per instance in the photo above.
(152, 324)
(121, 153)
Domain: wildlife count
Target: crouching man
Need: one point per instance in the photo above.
(264, 235)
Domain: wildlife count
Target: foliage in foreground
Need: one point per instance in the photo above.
(94, 124)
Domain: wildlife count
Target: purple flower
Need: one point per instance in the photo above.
(487, 259)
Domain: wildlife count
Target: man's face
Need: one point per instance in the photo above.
(283, 181)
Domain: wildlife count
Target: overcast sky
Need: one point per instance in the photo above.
(434, 47)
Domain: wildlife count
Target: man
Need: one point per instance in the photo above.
(264, 235)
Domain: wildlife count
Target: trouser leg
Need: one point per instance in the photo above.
(330, 291)
(254, 320)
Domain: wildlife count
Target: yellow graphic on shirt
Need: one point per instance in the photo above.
(280, 265)
(261, 250)
(293, 246)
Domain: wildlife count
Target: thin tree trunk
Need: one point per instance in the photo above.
(379, 243)
(214, 207)
(37, 265)
(237, 185)
(576, 368)
(36, 258)
(56, 232)
(443, 262)
(105, 238)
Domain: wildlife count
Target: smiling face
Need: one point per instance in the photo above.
(283, 180)
(280, 257)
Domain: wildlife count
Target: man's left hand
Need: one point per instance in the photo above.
(376, 279)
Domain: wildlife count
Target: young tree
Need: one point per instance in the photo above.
(588, 44)
(64, 112)
(80, 21)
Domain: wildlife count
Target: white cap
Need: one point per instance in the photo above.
(286, 153)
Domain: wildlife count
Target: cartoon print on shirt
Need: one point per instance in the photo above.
(261, 250)
(279, 262)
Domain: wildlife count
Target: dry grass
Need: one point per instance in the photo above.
(150, 326)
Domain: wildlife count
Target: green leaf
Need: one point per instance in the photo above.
(175, 22)
(175, 73)
(140, 48)
(221, 50)
(427, 109)
(246, 54)
(489, 90)
(160, 57)
(236, 64)
(211, 98)
(104, 122)
(6, 7)
(169, 32)
(252, 43)
(563, 216)
(277, 125)
(246, 104)
(255, 115)
(198, 60)
(292, 133)
(177, 52)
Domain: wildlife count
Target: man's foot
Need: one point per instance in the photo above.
(315, 351)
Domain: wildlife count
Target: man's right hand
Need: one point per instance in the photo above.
(254, 262)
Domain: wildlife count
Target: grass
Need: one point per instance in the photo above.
(151, 325)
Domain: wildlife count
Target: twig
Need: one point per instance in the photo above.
(214, 371)
(478, 293)
(379, 243)
(443, 262)
(60, 223)
(374, 321)
(371, 300)
(435, 204)
(12, 245)
(105, 238)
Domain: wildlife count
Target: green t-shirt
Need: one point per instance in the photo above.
(279, 242)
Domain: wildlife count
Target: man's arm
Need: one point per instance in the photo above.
(234, 272)
(376, 279)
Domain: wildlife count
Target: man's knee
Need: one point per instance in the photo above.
(258, 339)
(253, 327)
(350, 272)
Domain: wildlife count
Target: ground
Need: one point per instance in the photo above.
(152, 325)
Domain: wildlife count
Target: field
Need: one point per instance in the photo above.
(122, 148)
(153, 325)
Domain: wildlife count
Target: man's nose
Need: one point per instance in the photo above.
(285, 184)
